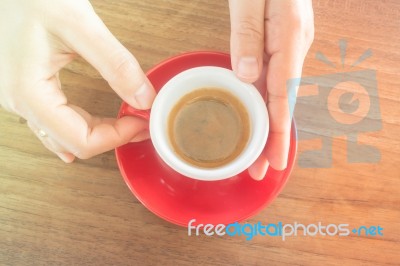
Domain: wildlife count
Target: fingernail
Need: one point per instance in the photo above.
(143, 135)
(145, 95)
(258, 173)
(248, 68)
(66, 157)
(280, 166)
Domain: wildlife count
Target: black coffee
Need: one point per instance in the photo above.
(209, 127)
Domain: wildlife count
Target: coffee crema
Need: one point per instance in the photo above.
(208, 127)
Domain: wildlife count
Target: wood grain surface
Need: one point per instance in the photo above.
(53, 213)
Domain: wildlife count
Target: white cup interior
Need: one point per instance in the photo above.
(202, 77)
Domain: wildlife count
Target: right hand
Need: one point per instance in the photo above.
(269, 41)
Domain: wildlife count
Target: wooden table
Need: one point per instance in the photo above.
(54, 213)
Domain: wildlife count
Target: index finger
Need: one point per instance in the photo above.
(89, 37)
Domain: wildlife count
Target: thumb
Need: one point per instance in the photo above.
(90, 38)
(247, 38)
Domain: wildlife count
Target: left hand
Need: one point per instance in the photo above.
(269, 41)
(38, 38)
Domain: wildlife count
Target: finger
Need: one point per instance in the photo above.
(66, 156)
(288, 31)
(247, 38)
(259, 168)
(283, 66)
(77, 131)
(90, 38)
(93, 121)
(141, 136)
(261, 82)
(93, 135)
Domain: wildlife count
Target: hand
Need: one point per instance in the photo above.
(38, 38)
(269, 41)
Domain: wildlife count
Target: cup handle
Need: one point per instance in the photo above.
(130, 111)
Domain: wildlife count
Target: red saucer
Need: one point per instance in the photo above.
(179, 199)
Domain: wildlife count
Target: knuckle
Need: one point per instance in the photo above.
(250, 29)
(12, 106)
(303, 29)
(81, 151)
(5, 106)
(309, 34)
(52, 13)
(303, 24)
(299, 23)
(277, 98)
(9, 98)
(123, 68)
(83, 154)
